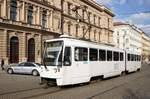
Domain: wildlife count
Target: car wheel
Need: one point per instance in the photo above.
(35, 73)
(10, 71)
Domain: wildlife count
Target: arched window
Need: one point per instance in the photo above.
(31, 50)
(14, 50)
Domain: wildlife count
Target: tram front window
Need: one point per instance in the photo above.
(53, 53)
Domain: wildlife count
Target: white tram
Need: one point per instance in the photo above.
(70, 61)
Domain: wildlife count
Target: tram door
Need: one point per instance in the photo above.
(80, 66)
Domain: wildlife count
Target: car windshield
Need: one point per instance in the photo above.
(38, 64)
(53, 53)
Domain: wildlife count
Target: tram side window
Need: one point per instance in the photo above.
(139, 57)
(132, 57)
(67, 56)
(93, 54)
(121, 56)
(129, 57)
(102, 55)
(109, 55)
(81, 54)
(115, 56)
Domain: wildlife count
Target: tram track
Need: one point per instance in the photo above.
(114, 87)
(24, 90)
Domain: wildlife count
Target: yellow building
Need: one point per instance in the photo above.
(25, 24)
(145, 47)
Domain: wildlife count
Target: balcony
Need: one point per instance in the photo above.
(23, 24)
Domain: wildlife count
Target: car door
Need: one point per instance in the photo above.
(18, 68)
(28, 67)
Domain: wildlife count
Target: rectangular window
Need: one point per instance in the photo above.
(93, 54)
(77, 30)
(135, 57)
(102, 55)
(69, 29)
(81, 54)
(44, 19)
(115, 56)
(30, 15)
(83, 16)
(139, 58)
(69, 8)
(109, 55)
(94, 19)
(132, 57)
(67, 56)
(129, 57)
(13, 10)
(121, 56)
(95, 35)
(89, 17)
(99, 21)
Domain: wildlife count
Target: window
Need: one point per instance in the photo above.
(115, 56)
(69, 29)
(21, 64)
(89, 17)
(94, 35)
(77, 30)
(13, 10)
(81, 54)
(136, 58)
(29, 16)
(69, 8)
(83, 11)
(139, 58)
(121, 56)
(102, 55)
(132, 57)
(129, 57)
(93, 54)
(44, 19)
(94, 19)
(99, 21)
(29, 65)
(109, 55)
(67, 56)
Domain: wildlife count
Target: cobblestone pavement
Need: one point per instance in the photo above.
(132, 86)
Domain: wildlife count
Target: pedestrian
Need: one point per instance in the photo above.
(2, 64)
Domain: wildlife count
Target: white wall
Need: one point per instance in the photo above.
(128, 38)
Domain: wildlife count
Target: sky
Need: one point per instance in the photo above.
(135, 12)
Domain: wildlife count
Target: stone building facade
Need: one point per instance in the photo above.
(25, 24)
(145, 47)
(128, 37)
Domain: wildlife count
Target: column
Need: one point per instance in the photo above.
(38, 16)
(34, 14)
(51, 19)
(4, 45)
(6, 7)
(48, 19)
(22, 47)
(19, 5)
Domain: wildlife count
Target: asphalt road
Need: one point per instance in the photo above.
(132, 86)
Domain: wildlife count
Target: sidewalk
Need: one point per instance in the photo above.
(2, 72)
